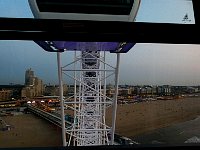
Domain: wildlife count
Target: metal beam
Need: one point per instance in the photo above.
(196, 4)
(61, 99)
(68, 30)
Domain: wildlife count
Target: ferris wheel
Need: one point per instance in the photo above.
(88, 69)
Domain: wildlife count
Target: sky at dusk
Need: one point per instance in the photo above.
(152, 64)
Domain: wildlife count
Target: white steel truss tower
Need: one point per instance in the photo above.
(90, 69)
(86, 109)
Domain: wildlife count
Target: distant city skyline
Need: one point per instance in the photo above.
(145, 64)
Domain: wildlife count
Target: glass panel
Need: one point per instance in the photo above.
(158, 103)
(158, 11)
(15, 9)
(166, 11)
(159, 92)
(117, 7)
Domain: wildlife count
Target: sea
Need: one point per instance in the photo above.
(179, 134)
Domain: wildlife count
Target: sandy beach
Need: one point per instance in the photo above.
(132, 120)
(30, 131)
(136, 119)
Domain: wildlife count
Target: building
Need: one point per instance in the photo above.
(28, 91)
(33, 85)
(53, 90)
(6, 95)
(29, 77)
(165, 90)
(124, 91)
(192, 89)
(9, 92)
(39, 87)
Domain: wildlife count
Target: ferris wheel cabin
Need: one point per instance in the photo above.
(96, 10)
(92, 10)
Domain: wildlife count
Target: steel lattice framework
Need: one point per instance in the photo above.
(89, 100)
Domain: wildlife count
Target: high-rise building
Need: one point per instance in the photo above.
(39, 87)
(33, 85)
(29, 77)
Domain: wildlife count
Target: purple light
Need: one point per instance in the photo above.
(113, 47)
(80, 46)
